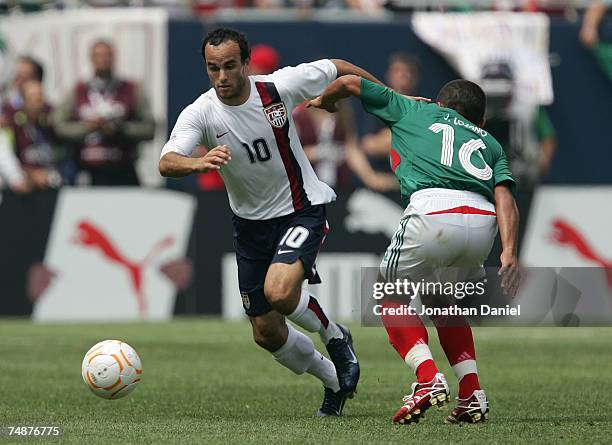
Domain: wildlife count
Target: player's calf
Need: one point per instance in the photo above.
(269, 330)
(307, 313)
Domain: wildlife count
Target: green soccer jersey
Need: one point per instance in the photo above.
(434, 147)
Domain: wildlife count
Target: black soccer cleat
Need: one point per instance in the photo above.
(333, 403)
(342, 354)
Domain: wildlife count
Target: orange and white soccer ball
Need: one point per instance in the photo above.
(111, 369)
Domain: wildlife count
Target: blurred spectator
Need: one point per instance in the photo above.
(331, 144)
(26, 69)
(264, 60)
(589, 35)
(29, 139)
(209, 7)
(366, 6)
(325, 137)
(526, 133)
(106, 118)
(527, 137)
(402, 75)
(10, 170)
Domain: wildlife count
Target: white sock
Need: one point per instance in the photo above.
(323, 369)
(417, 355)
(464, 368)
(299, 355)
(310, 315)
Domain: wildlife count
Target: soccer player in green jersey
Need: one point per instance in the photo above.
(458, 189)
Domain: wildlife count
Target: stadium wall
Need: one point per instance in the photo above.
(64, 260)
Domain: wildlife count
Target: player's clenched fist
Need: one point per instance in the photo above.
(324, 103)
(216, 158)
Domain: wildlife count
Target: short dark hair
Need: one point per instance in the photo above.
(466, 98)
(39, 71)
(219, 35)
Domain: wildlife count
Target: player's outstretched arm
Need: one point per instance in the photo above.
(345, 68)
(340, 88)
(507, 220)
(174, 165)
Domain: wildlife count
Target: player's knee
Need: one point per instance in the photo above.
(281, 294)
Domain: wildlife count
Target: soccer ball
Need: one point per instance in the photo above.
(111, 369)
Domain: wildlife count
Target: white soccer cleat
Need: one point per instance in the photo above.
(423, 396)
(474, 409)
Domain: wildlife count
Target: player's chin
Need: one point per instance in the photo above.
(226, 92)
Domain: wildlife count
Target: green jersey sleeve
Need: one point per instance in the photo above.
(385, 103)
(502, 173)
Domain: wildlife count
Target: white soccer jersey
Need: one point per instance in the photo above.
(269, 174)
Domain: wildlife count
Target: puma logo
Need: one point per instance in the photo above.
(91, 237)
(372, 213)
(565, 234)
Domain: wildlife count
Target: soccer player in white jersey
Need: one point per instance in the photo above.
(277, 200)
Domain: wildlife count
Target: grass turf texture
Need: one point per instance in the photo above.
(205, 381)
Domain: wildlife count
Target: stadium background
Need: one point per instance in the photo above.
(173, 76)
(204, 381)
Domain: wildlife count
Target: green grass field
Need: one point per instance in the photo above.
(205, 381)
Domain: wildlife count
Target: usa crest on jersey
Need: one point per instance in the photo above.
(276, 114)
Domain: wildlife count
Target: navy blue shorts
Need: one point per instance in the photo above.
(286, 239)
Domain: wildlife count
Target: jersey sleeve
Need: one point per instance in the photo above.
(305, 81)
(385, 103)
(502, 173)
(187, 133)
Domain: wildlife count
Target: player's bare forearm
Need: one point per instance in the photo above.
(340, 88)
(174, 165)
(345, 68)
(507, 218)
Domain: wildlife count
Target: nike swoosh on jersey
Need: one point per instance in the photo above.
(280, 252)
(222, 134)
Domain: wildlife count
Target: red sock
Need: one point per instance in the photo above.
(426, 371)
(456, 339)
(405, 332)
(467, 385)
